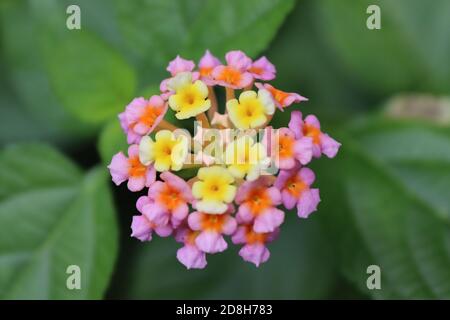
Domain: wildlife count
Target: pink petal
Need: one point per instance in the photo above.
(136, 183)
(255, 253)
(267, 69)
(274, 195)
(244, 214)
(308, 203)
(237, 59)
(293, 98)
(179, 184)
(195, 221)
(150, 176)
(140, 228)
(155, 189)
(208, 61)
(307, 176)
(163, 230)
(180, 65)
(118, 168)
(179, 214)
(268, 221)
(330, 147)
(141, 202)
(289, 201)
(296, 124)
(210, 242)
(303, 149)
(312, 121)
(191, 257)
(239, 236)
(156, 213)
(229, 225)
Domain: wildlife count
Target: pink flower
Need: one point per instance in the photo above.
(142, 227)
(282, 99)
(141, 117)
(176, 66)
(206, 65)
(286, 149)
(295, 190)
(131, 169)
(262, 69)
(212, 227)
(189, 255)
(310, 127)
(234, 75)
(168, 200)
(258, 201)
(254, 250)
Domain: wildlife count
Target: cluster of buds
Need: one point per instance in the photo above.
(244, 170)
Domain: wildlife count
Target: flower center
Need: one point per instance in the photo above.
(149, 115)
(230, 75)
(253, 237)
(258, 201)
(212, 222)
(295, 186)
(285, 146)
(137, 169)
(312, 132)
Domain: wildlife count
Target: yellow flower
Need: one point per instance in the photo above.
(189, 99)
(168, 152)
(213, 190)
(251, 110)
(244, 157)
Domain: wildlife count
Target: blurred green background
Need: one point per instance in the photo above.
(382, 93)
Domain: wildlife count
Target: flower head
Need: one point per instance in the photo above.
(234, 75)
(131, 169)
(212, 227)
(282, 99)
(258, 201)
(246, 158)
(214, 189)
(262, 69)
(167, 152)
(310, 127)
(295, 190)
(254, 249)
(190, 98)
(251, 110)
(245, 169)
(141, 117)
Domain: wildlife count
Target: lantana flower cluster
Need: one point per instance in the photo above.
(246, 173)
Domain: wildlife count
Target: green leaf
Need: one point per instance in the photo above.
(190, 27)
(408, 52)
(111, 141)
(51, 217)
(397, 176)
(90, 78)
(301, 266)
(32, 110)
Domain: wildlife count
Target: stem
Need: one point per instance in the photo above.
(203, 119)
(166, 125)
(212, 97)
(229, 92)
